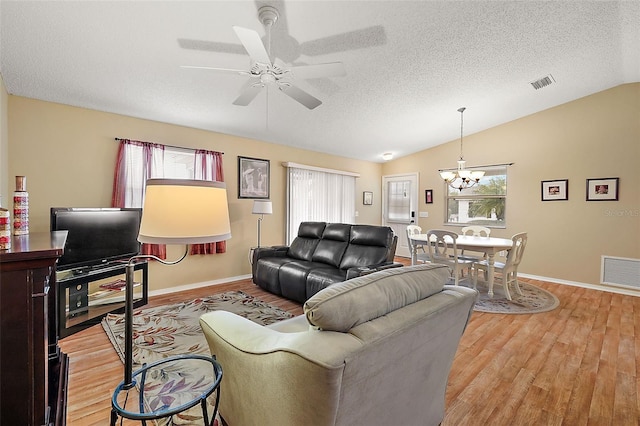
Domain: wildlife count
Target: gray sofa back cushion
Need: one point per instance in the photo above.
(309, 234)
(344, 305)
(335, 239)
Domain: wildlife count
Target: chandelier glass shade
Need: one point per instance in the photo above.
(461, 178)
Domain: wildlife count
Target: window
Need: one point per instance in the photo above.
(482, 204)
(138, 161)
(320, 195)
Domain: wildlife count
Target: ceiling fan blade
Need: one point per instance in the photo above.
(301, 96)
(331, 69)
(225, 70)
(248, 92)
(253, 44)
(352, 40)
(211, 46)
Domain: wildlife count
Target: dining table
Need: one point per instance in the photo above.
(488, 245)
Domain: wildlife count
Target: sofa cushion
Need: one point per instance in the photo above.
(296, 272)
(267, 271)
(344, 305)
(370, 235)
(331, 247)
(368, 245)
(319, 279)
(304, 245)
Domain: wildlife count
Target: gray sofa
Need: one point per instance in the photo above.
(373, 350)
(323, 254)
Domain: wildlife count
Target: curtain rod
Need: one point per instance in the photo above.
(170, 146)
(479, 167)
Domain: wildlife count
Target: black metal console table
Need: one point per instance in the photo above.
(177, 398)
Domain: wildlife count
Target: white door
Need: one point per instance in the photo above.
(399, 207)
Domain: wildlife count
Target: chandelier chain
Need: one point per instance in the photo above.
(461, 111)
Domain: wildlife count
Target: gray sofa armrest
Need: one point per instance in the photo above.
(365, 270)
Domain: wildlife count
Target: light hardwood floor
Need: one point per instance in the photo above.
(576, 365)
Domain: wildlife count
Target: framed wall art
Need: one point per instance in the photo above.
(555, 190)
(367, 198)
(428, 196)
(253, 178)
(603, 189)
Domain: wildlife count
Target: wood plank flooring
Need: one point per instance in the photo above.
(576, 365)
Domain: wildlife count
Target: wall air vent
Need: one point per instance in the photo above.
(620, 271)
(543, 82)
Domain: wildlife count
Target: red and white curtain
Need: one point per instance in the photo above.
(208, 166)
(139, 161)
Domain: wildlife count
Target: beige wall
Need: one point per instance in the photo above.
(4, 146)
(594, 137)
(68, 155)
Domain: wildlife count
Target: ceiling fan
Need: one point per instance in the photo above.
(264, 72)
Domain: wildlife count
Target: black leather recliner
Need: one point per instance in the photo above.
(323, 254)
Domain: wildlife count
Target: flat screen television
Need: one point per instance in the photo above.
(96, 236)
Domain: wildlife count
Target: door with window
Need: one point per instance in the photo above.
(399, 204)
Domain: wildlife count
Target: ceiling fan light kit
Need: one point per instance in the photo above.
(264, 72)
(462, 178)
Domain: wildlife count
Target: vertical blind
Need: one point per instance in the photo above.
(319, 195)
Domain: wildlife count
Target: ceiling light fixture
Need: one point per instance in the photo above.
(462, 178)
(387, 156)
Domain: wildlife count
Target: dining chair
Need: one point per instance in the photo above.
(443, 249)
(508, 269)
(421, 255)
(476, 231)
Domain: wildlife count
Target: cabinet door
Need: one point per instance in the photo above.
(24, 360)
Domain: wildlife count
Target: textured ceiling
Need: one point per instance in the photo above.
(410, 64)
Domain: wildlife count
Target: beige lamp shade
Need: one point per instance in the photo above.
(177, 211)
(262, 207)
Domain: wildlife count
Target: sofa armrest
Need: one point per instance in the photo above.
(273, 251)
(365, 270)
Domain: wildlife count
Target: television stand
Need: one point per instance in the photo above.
(85, 296)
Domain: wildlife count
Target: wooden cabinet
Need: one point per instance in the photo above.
(32, 369)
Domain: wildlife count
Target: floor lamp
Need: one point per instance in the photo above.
(261, 207)
(175, 211)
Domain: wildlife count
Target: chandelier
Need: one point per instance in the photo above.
(461, 178)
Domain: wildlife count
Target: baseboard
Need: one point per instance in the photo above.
(602, 287)
(185, 287)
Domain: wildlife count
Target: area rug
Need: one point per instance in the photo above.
(533, 299)
(170, 330)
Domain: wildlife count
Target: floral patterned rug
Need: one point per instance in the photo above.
(170, 330)
(533, 299)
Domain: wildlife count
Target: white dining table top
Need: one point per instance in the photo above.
(473, 241)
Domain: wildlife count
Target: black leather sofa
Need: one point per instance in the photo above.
(323, 254)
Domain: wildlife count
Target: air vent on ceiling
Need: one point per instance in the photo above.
(543, 82)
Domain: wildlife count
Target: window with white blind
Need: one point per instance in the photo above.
(319, 195)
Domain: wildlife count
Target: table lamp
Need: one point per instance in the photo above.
(261, 207)
(175, 211)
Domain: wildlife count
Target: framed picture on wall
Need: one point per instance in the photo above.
(367, 198)
(428, 196)
(555, 190)
(604, 189)
(253, 178)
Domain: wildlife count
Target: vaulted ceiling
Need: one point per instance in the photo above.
(409, 64)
